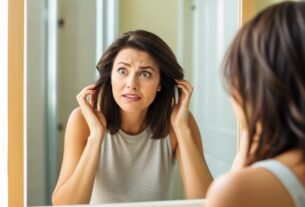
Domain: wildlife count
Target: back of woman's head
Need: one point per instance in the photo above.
(264, 70)
(158, 115)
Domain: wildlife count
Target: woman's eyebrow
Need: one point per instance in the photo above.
(140, 67)
(124, 63)
(147, 67)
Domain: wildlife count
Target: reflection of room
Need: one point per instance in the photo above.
(198, 48)
(198, 31)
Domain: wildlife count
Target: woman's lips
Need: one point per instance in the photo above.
(131, 97)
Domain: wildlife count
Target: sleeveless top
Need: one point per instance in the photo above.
(290, 181)
(133, 168)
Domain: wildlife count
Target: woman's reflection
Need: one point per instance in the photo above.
(265, 73)
(122, 140)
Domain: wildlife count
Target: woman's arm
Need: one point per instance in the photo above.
(194, 170)
(83, 138)
(80, 161)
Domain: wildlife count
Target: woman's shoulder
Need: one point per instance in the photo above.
(76, 117)
(248, 187)
(77, 126)
(227, 189)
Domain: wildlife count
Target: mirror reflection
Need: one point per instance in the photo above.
(118, 146)
(66, 38)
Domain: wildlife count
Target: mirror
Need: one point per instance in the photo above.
(66, 38)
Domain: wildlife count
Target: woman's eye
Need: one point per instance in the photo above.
(122, 71)
(146, 74)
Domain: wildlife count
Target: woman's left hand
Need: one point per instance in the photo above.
(180, 111)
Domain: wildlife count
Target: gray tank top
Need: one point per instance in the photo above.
(133, 168)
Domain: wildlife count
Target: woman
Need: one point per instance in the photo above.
(265, 73)
(121, 142)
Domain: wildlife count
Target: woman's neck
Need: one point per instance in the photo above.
(133, 122)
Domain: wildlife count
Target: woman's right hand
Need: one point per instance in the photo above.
(95, 119)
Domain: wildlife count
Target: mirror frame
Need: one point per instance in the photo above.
(16, 102)
(17, 97)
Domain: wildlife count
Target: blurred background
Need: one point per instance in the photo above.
(65, 39)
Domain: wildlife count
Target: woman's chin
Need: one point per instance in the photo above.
(133, 109)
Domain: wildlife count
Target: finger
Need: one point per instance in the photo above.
(91, 101)
(181, 80)
(85, 97)
(85, 93)
(86, 108)
(185, 83)
(90, 87)
(183, 95)
(188, 88)
(185, 89)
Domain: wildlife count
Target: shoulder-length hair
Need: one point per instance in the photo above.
(264, 71)
(158, 115)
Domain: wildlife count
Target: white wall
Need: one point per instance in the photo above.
(157, 16)
(215, 24)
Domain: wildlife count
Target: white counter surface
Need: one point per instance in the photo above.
(172, 203)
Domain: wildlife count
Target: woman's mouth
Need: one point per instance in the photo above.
(131, 97)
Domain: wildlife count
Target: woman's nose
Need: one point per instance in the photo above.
(131, 82)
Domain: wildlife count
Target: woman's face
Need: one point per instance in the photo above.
(135, 80)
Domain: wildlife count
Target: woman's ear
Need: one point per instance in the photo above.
(159, 88)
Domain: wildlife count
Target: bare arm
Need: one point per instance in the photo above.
(81, 155)
(226, 191)
(195, 172)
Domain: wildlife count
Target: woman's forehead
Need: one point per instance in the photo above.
(131, 56)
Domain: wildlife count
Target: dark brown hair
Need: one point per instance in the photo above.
(158, 115)
(264, 70)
